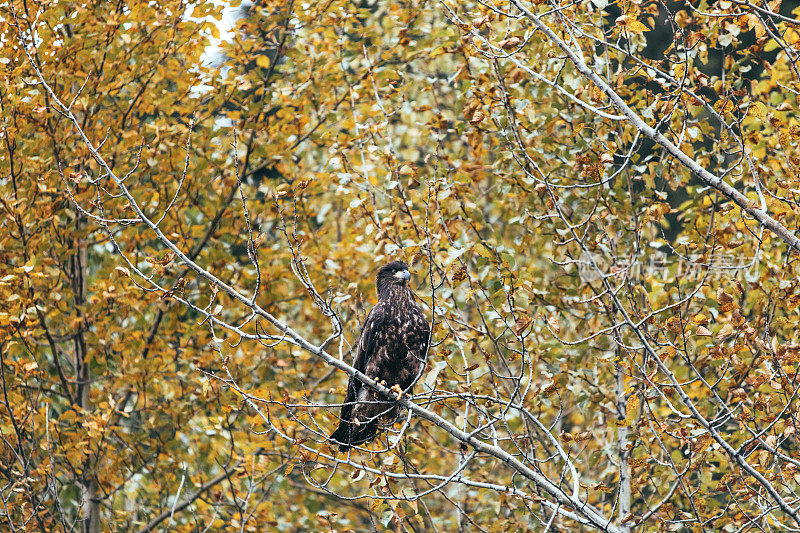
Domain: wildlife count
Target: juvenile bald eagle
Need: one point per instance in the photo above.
(392, 348)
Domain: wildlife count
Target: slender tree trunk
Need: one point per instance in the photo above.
(624, 503)
(91, 507)
(90, 512)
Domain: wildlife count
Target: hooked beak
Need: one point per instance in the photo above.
(403, 274)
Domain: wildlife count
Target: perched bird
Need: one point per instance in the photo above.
(392, 349)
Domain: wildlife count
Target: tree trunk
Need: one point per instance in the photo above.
(90, 505)
(624, 503)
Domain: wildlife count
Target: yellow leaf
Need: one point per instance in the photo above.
(759, 110)
(632, 406)
(753, 22)
(483, 251)
(668, 352)
(636, 27)
(703, 442)
(636, 462)
(262, 61)
(631, 24)
(674, 324)
(725, 301)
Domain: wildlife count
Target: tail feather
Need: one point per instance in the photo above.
(342, 435)
(348, 434)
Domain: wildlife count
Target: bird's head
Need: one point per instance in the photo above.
(394, 273)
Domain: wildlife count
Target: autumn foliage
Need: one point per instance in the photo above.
(599, 203)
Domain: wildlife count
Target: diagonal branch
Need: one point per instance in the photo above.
(748, 206)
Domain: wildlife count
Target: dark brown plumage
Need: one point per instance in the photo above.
(392, 348)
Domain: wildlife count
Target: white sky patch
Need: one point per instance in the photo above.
(213, 55)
